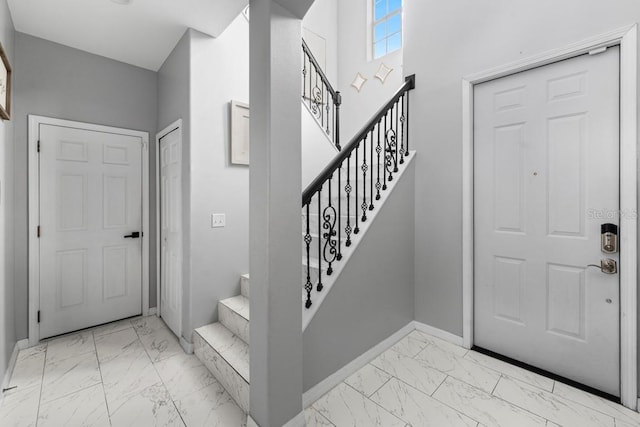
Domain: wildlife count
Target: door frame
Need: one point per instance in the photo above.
(34, 123)
(626, 38)
(177, 125)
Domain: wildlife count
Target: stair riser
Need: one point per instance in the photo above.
(235, 385)
(234, 322)
(245, 286)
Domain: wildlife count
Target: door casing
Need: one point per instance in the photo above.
(177, 125)
(626, 38)
(34, 209)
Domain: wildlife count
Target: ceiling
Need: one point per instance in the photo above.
(142, 33)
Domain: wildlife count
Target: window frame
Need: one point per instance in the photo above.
(373, 23)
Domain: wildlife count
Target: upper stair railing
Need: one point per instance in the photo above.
(321, 98)
(363, 167)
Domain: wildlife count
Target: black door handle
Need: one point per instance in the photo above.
(134, 235)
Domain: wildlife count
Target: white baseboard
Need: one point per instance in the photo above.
(153, 311)
(20, 345)
(438, 333)
(324, 386)
(297, 421)
(186, 346)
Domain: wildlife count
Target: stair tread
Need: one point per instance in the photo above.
(239, 304)
(229, 346)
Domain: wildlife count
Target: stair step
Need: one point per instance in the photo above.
(234, 315)
(245, 285)
(227, 357)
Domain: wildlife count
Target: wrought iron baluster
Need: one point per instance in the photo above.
(329, 251)
(407, 121)
(385, 170)
(364, 168)
(402, 145)
(390, 142)
(347, 189)
(395, 165)
(356, 230)
(308, 285)
(339, 256)
(304, 77)
(378, 151)
(336, 132)
(319, 286)
(371, 174)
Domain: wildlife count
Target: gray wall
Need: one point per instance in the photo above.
(219, 74)
(371, 299)
(445, 41)
(7, 322)
(62, 82)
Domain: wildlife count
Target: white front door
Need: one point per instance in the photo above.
(171, 230)
(546, 177)
(90, 200)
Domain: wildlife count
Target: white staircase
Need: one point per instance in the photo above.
(223, 346)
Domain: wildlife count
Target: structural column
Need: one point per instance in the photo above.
(275, 221)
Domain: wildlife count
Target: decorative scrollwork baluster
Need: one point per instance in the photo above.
(356, 230)
(371, 174)
(347, 190)
(385, 170)
(378, 151)
(329, 251)
(320, 285)
(339, 256)
(364, 169)
(402, 119)
(308, 286)
(395, 159)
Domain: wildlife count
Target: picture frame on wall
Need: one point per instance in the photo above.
(239, 133)
(5, 85)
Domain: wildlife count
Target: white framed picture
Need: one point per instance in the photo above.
(239, 133)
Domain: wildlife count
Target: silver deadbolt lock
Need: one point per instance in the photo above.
(609, 238)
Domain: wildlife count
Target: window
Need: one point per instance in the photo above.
(387, 26)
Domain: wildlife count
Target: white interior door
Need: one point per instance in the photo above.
(171, 230)
(90, 199)
(546, 176)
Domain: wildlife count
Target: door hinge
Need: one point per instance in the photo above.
(38, 146)
(38, 316)
(38, 231)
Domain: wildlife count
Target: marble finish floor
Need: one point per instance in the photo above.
(127, 373)
(424, 381)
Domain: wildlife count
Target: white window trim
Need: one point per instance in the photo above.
(370, 32)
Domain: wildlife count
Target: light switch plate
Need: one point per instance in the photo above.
(218, 220)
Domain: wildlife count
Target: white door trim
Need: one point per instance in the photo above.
(34, 209)
(164, 132)
(626, 38)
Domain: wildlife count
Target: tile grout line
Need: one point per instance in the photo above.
(378, 389)
(496, 386)
(44, 365)
(104, 392)
(375, 403)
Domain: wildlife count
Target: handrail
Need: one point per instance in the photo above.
(337, 100)
(327, 172)
(316, 91)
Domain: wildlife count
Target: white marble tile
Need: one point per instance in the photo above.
(605, 406)
(233, 349)
(86, 407)
(230, 379)
(552, 424)
(234, 322)
(344, 406)
(623, 424)
(416, 408)
(112, 327)
(483, 407)
(413, 372)
(127, 374)
(62, 377)
(160, 344)
(117, 344)
(313, 418)
(368, 379)
(20, 407)
(440, 343)
(552, 407)
(151, 407)
(511, 370)
(29, 367)
(146, 325)
(70, 345)
(183, 374)
(459, 367)
(211, 406)
(239, 304)
(410, 345)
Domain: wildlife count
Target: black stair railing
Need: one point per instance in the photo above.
(349, 187)
(323, 101)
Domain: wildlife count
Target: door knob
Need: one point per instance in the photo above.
(134, 235)
(607, 266)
